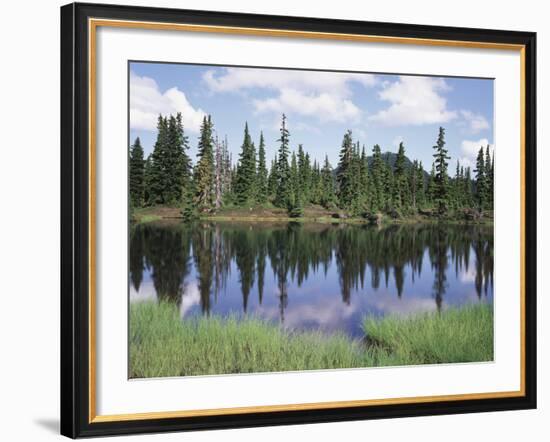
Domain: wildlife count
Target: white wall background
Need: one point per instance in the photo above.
(29, 220)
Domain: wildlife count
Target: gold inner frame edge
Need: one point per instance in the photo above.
(93, 24)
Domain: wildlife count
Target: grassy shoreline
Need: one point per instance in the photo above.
(315, 215)
(161, 344)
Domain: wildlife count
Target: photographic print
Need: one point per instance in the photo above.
(285, 220)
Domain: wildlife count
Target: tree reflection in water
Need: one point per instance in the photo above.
(173, 254)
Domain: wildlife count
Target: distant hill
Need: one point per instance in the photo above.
(390, 158)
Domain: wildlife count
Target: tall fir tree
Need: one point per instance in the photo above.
(327, 195)
(137, 174)
(282, 195)
(295, 201)
(304, 173)
(147, 179)
(432, 186)
(421, 185)
(272, 180)
(441, 197)
(261, 182)
(344, 178)
(364, 179)
(481, 182)
(245, 185)
(377, 187)
(159, 180)
(401, 187)
(204, 170)
(184, 166)
(489, 177)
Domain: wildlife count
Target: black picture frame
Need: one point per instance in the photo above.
(75, 220)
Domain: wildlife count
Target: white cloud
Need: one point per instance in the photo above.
(147, 102)
(235, 79)
(476, 122)
(414, 101)
(326, 96)
(325, 106)
(469, 150)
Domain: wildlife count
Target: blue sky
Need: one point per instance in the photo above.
(320, 106)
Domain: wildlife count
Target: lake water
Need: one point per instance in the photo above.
(310, 276)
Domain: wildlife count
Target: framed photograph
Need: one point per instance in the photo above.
(274, 220)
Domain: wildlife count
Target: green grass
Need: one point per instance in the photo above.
(161, 344)
(456, 335)
(149, 218)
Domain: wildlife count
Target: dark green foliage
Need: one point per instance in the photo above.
(282, 193)
(441, 178)
(489, 177)
(272, 180)
(416, 184)
(481, 183)
(261, 181)
(170, 170)
(327, 194)
(382, 183)
(137, 174)
(378, 179)
(245, 184)
(348, 177)
(401, 187)
(204, 171)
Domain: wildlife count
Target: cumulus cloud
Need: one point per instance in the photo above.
(475, 122)
(326, 96)
(414, 101)
(469, 150)
(325, 106)
(147, 102)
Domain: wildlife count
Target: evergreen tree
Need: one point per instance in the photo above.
(316, 186)
(159, 182)
(304, 173)
(261, 182)
(416, 184)
(377, 186)
(432, 187)
(489, 178)
(481, 183)
(147, 179)
(204, 171)
(272, 180)
(421, 185)
(327, 194)
(401, 187)
(344, 178)
(441, 199)
(295, 204)
(364, 179)
(468, 187)
(282, 195)
(137, 172)
(245, 185)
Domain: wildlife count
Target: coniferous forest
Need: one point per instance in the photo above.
(364, 183)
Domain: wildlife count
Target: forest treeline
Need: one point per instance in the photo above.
(360, 184)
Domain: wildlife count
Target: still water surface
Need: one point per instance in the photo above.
(310, 276)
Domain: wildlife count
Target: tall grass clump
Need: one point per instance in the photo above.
(462, 334)
(162, 344)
